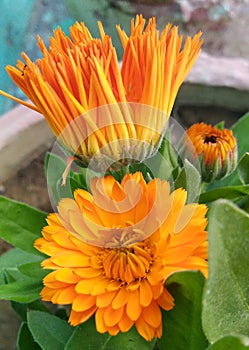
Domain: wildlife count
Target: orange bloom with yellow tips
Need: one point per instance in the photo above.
(215, 148)
(79, 73)
(112, 250)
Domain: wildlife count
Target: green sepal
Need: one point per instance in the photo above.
(189, 179)
(220, 125)
(243, 169)
(54, 169)
(240, 131)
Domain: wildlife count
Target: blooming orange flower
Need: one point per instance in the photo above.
(216, 149)
(79, 73)
(112, 250)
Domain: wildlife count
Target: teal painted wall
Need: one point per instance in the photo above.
(20, 22)
(14, 20)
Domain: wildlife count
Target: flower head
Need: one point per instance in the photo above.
(78, 74)
(216, 150)
(111, 252)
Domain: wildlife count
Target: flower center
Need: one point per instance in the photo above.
(211, 139)
(124, 236)
(129, 264)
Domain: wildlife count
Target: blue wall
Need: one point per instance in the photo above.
(20, 22)
(13, 23)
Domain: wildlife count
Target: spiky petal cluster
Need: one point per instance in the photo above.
(79, 73)
(214, 148)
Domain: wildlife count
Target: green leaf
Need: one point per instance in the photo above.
(86, 337)
(54, 168)
(167, 149)
(165, 161)
(226, 301)
(229, 192)
(12, 259)
(49, 331)
(231, 342)
(142, 167)
(182, 328)
(75, 181)
(83, 178)
(24, 290)
(243, 168)
(34, 270)
(25, 340)
(20, 224)
(21, 308)
(61, 313)
(11, 276)
(190, 179)
(67, 190)
(241, 131)
(158, 167)
(244, 203)
(15, 285)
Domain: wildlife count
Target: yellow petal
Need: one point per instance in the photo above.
(133, 307)
(83, 302)
(64, 296)
(145, 293)
(70, 259)
(99, 320)
(120, 298)
(144, 329)
(66, 275)
(105, 299)
(152, 314)
(125, 323)
(80, 317)
(112, 317)
(166, 301)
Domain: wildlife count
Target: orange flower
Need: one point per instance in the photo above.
(79, 73)
(112, 250)
(216, 150)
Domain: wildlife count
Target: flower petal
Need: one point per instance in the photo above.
(146, 294)
(83, 302)
(112, 317)
(120, 299)
(144, 329)
(152, 314)
(166, 301)
(133, 307)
